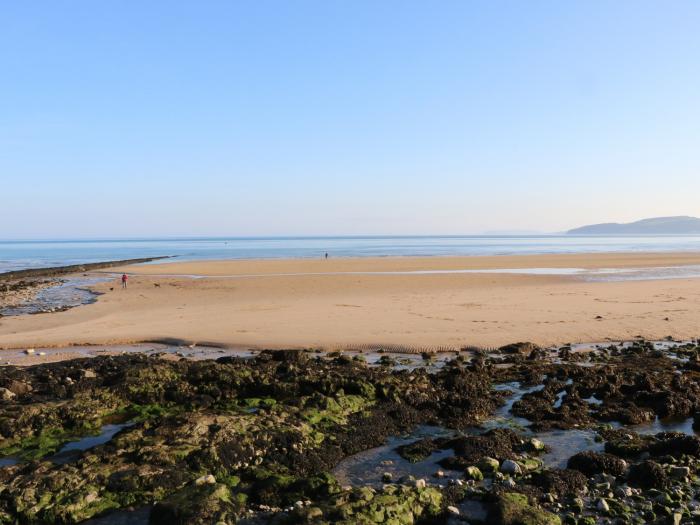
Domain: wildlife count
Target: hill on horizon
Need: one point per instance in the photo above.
(656, 225)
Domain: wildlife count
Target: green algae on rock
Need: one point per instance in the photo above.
(267, 431)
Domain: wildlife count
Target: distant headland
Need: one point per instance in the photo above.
(656, 225)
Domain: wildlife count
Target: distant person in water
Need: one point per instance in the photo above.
(125, 278)
(326, 255)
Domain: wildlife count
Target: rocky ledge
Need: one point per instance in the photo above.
(256, 441)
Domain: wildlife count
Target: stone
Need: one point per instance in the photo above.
(420, 484)
(648, 474)
(624, 491)
(536, 444)
(19, 387)
(474, 473)
(208, 479)
(679, 472)
(453, 510)
(512, 508)
(519, 348)
(509, 483)
(6, 395)
(602, 505)
(592, 463)
(487, 464)
(511, 467)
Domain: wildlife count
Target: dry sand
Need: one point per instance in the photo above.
(334, 310)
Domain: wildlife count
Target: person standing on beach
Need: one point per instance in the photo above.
(124, 279)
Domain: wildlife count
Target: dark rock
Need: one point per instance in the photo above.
(524, 349)
(561, 482)
(591, 463)
(648, 474)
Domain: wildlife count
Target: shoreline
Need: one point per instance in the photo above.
(336, 309)
(586, 260)
(22, 288)
(55, 271)
(179, 349)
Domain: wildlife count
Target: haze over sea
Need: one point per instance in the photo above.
(17, 255)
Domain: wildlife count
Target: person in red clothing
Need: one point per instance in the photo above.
(124, 279)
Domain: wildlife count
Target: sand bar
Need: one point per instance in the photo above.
(336, 305)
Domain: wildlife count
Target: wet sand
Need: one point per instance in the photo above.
(258, 304)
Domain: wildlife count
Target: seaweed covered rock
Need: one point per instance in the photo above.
(648, 474)
(564, 482)
(401, 505)
(418, 450)
(266, 430)
(591, 463)
(198, 505)
(512, 508)
(523, 348)
(499, 444)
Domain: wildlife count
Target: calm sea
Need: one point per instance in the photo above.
(16, 255)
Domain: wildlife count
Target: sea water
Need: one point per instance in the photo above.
(17, 255)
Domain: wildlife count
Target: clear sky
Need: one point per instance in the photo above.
(132, 118)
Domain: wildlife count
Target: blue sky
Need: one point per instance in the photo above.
(345, 117)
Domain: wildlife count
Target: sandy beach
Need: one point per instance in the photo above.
(341, 302)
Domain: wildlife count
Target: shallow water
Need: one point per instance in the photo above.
(368, 467)
(71, 451)
(664, 425)
(69, 293)
(122, 517)
(15, 255)
(565, 443)
(503, 418)
(587, 274)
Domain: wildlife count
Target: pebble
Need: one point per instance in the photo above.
(453, 510)
(536, 444)
(511, 467)
(420, 483)
(208, 479)
(602, 505)
(487, 464)
(29, 351)
(680, 472)
(6, 394)
(624, 491)
(509, 483)
(474, 473)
